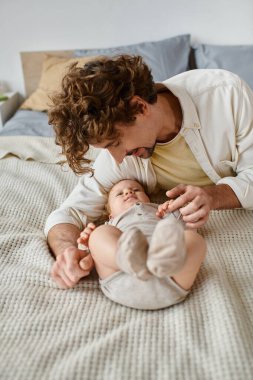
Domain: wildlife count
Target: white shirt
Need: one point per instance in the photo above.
(217, 125)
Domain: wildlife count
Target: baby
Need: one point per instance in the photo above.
(144, 257)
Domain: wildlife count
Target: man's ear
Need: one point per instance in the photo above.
(141, 103)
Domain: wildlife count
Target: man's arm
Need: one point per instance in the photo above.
(235, 189)
(61, 237)
(71, 263)
(195, 202)
(222, 197)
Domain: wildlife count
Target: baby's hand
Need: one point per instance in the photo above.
(85, 234)
(163, 208)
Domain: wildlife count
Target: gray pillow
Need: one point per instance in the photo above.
(235, 58)
(28, 123)
(165, 58)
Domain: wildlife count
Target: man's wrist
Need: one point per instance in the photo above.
(222, 197)
(61, 237)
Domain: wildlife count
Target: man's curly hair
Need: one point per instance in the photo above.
(94, 98)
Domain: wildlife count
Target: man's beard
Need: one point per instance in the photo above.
(148, 151)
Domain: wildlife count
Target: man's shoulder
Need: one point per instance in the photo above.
(199, 80)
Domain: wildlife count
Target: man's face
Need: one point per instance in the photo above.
(124, 195)
(138, 140)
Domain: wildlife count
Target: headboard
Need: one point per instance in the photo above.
(32, 66)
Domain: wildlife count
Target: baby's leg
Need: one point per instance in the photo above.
(195, 255)
(113, 250)
(103, 245)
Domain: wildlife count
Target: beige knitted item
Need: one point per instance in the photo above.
(131, 253)
(167, 253)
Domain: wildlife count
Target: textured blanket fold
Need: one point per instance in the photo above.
(36, 148)
(52, 334)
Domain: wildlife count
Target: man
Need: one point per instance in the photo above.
(197, 128)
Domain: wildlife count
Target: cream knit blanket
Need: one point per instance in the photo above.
(36, 148)
(52, 334)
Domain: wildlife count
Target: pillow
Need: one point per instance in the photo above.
(235, 58)
(165, 58)
(28, 123)
(53, 70)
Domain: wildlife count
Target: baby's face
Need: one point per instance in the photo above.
(124, 195)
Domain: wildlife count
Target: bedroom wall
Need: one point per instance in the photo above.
(28, 25)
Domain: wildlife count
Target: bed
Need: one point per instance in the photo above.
(48, 334)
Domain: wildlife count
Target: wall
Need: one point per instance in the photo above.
(28, 25)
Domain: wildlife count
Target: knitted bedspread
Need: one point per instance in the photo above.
(52, 334)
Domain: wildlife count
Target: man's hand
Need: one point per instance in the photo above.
(195, 202)
(71, 263)
(70, 266)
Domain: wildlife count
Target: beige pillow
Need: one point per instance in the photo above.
(53, 70)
